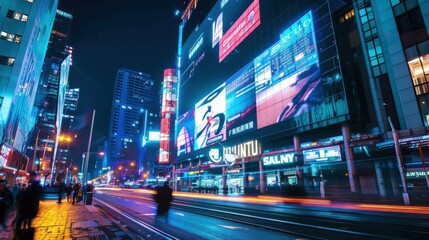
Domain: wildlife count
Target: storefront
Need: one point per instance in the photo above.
(10, 161)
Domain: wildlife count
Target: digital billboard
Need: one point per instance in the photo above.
(210, 119)
(185, 133)
(246, 69)
(287, 75)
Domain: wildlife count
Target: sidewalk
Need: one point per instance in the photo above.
(67, 221)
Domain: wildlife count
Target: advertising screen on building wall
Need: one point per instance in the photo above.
(256, 65)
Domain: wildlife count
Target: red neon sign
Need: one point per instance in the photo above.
(248, 21)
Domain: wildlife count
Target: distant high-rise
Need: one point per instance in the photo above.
(51, 93)
(132, 98)
(70, 107)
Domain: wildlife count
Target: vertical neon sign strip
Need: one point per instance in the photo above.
(248, 21)
(168, 111)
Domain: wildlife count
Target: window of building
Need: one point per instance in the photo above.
(419, 69)
(17, 16)
(395, 2)
(8, 61)
(411, 27)
(24, 18)
(10, 37)
(372, 39)
(348, 15)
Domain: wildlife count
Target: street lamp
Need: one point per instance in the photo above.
(60, 139)
(88, 149)
(85, 159)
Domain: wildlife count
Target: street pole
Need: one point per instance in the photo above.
(44, 150)
(424, 164)
(85, 172)
(399, 159)
(35, 149)
(83, 165)
(322, 184)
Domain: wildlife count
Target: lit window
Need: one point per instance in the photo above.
(8, 61)
(29, 1)
(419, 69)
(10, 37)
(3, 35)
(17, 15)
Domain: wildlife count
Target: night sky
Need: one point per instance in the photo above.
(107, 35)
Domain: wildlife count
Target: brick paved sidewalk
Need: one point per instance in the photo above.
(67, 221)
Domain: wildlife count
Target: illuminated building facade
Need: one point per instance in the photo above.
(51, 92)
(24, 36)
(69, 111)
(133, 96)
(282, 97)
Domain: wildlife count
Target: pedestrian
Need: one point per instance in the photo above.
(27, 207)
(163, 197)
(69, 190)
(76, 188)
(6, 201)
(61, 187)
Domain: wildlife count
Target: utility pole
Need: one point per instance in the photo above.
(35, 149)
(88, 150)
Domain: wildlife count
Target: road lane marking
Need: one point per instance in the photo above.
(180, 214)
(229, 227)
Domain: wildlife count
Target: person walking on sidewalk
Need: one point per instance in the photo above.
(61, 186)
(6, 201)
(163, 197)
(76, 188)
(68, 190)
(27, 204)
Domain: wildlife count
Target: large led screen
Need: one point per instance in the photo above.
(210, 119)
(287, 75)
(275, 74)
(185, 137)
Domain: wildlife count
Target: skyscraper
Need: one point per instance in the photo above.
(24, 35)
(70, 107)
(52, 88)
(132, 98)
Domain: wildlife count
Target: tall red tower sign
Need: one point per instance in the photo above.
(168, 115)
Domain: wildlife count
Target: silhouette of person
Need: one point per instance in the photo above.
(6, 201)
(76, 188)
(163, 197)
(27, 204)
(61, 187)
(68, 191)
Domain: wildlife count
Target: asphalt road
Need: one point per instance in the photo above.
(192, 217)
